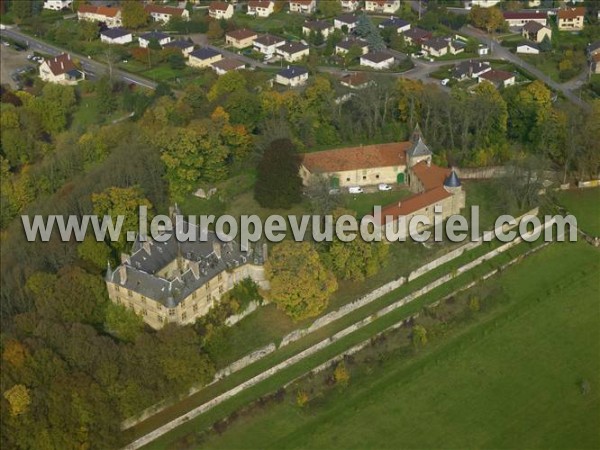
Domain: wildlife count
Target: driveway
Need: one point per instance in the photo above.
(10, 61)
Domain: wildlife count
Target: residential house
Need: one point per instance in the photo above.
(226, 65)
(345, 20)
(377, 60)
(342, 47)
(185, 47)
(60, 70)
(163, 14)
(593, 52)
(303, 6)
(292, 76)
(470, 69)
(498, 78)
(416, 36)
(382, 6)
(242, 38)
(57, 5)
(481, 3)
(110, 16)
(267, 44)
(570, 19)
(220, 10)
(350, 5)
(396, 23)
(317, 26)
(117, 36)
(356, 80)
(518, 19)
(293, 51)
(483, 50)
(168, 281)
(261, 8)
(203, 57)
(436, 47)
(536, 32)
(145, 39)
(528, 48)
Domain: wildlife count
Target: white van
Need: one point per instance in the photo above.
(355, 190)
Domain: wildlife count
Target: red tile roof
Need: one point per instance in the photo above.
(228, 64)
(431, 176)
(241, 34)
(61, 64)
(302, 2)
(571, 13)
(259, 4)
(497, 75)
(355, 79)
(356, 158)
(218, 6)
(107, 11)
(529, 15)
(414, 203)
(158, 9)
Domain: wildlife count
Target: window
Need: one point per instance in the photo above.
(209, 297)
(143, 300)
(118, 300)
(145, 312)
(364, 177)
(161, 319)
(117, 288)
(220, 277)
(172, 311)
(129, 293)
(348, 179)
(194, 295)
(207, 285)
(184, 316)
(221, 289)
(195, 308)
(377, 176)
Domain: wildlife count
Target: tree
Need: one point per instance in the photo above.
(230, 82)
(123, 322)
(546, 44)
(366, 29)
(341, 375)
(353, 53)
(330, 9)
(21, 9)
(300, 283)
(319, 190)
(302, 398)
(134, 14)
(489, 19)
(98, 253)
(278, 183)
(88, 30)
(215, 31)
(419, 336)
(18, 398)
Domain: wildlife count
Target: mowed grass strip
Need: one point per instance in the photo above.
(584, 204)
(509, 379)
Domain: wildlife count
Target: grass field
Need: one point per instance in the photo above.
(507, 379)
(584, 204)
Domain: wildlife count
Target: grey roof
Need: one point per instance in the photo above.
(317, 25)
(204, 53)
(377, 57)
(593, 47)
(115, 33)
(466, 68)
(292, 47)
(348, 43)
(292, 72)
(268, 39)
(180, 44)
(436, 43)
(417, 33)
(452, 180)
(395, 22)
(533, 27)
(530, 44)
(419, 148)
(347, 18)
(148, 259)
(154, 35)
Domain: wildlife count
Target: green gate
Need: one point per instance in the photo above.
(400, 178)
(335, 183)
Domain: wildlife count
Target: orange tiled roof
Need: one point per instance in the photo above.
(414, 203)
(571, 13)
(107, 11)
(158, 9)
(431, 176)
(243, 33)
(61, 64)
(218, 6)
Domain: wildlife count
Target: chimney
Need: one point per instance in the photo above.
(62, 65)
(195, 267)
(399, 204)
(123, 274)
(217, 248)
(428, 162)
(146, 246)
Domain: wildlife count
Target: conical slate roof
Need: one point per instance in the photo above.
(418, 148)
(452, 180)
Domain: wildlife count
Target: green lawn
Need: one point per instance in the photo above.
(584, 204)
(363, 204)
(509, 378)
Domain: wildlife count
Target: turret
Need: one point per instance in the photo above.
(452, 183)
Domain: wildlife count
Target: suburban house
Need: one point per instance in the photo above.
(145, 39)
(60, 70)
(483, 50)
(345, 20)
(220, 10)
(518, 19)
(536, 32)
(178, 282)
(470, 69)
(292, 76)
(57, 5)
(303, 6)
(528, 48)
(570, 19)
(185, 47)
(203, 57)
(416, 36)
(240, 38)
(382, 6)
(267, 44)
(342, 47)
(442, 46)
(396, 23)
(293, 51)
(117, 36)
(317, 26)
(110, 16)
(377, 60)
(357, 80)
(349, 5)
(498, 78)
(481, 3)
(222, 66)
(163, 14)
(261, 8)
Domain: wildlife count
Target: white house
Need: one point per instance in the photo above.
(481, 3)
(377, 60)
(395, 23)
(203, 57)
(317, 26)
(185, 47)
(110, 16)
(222, 66)
(161, 38)
(261, 8)
(483, 50)
(292, 76)
(242, 38)
(60, 70)
(303, 6)
(293, 51)
(349, 5)
(267, 44)
(498, 78)
(571, 19)
(517, 19)
(344, 46)
(117, 36)
(470, 69)
(57, 5)
(528, 48)
(163, 14)
(345, 20)
(220, 10)
(382, 6)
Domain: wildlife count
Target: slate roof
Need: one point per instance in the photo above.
(466, 68)
(348, 43)
(395, 22)
(533, 26)
(377, 57)
(317, 25)
(180, 44)
(154, 35)
(418, 34)
(418, 148)
(114, 33)
(268, 39)
(436, 43)
(242, 34)
(292, 47)
(204, 53)
(292, 72)
(347, 18)
(452, 180)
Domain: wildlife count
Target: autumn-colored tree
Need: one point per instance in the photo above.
(302, 398)
(419, 336)
(215, 30)
(300, 283)
(14, 353)
(489, 19)
(18, 398)
(95, 252)
(341, 374)
(230, 82)
(134, 14)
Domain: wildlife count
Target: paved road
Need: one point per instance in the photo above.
(88, 65)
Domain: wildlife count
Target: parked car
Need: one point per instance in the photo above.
(384, 187)
(418, 54)
(355, 190)
(334, 191)
(445, 81)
